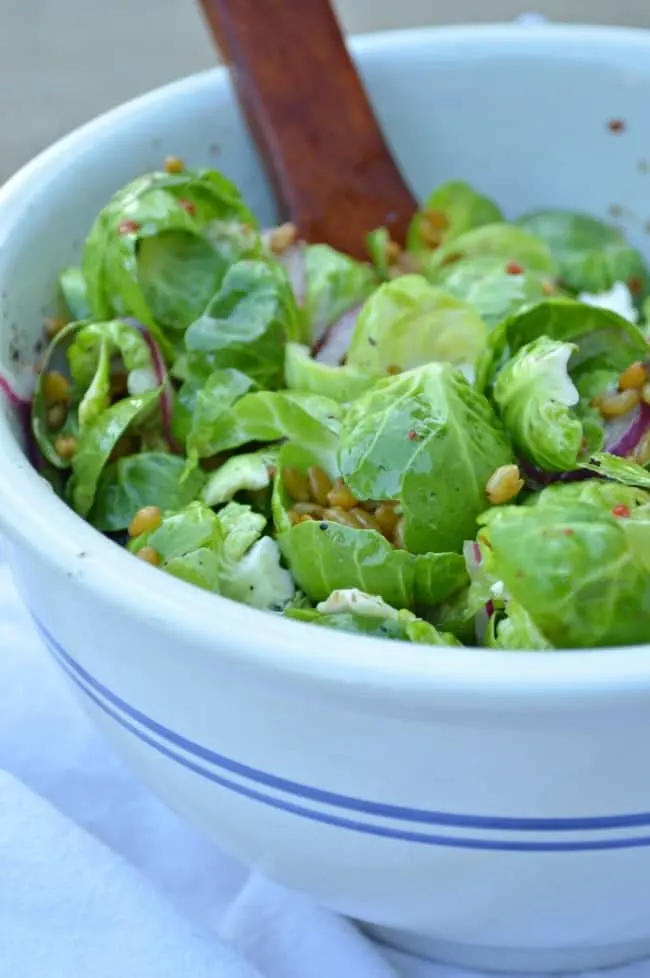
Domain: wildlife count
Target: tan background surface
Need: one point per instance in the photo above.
(62, 61)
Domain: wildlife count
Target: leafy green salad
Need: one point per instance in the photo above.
(447, 444)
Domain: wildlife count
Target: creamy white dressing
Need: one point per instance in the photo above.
(358, 602)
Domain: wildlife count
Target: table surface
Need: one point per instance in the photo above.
(63, 61)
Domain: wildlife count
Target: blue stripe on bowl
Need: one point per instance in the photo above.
(114, 706)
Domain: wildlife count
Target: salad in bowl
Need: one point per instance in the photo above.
(446, 444)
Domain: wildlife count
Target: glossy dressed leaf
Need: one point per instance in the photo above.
(617, 469)
(188, 544)
(246, 325)
(535, 397)
(429, 440)
(378, 244)
(91, 354)
(146, 479)
(505, 241)
(342, 384)
(591, 255)
(75, 293)
(333, 283)
(454, 617)
(493, 287)
(592, 492)
(451, 209)
(178, 274)
(327, 556)
(269, 416)
(96, 443)
(580, 572)
(155, 251)
(201, 406)
(604, 340)
(407, 323)
(222, 552)
(516, 631)
(343, 557)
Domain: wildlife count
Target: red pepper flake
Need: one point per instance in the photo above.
(393, 369)
(271, 471)
(413, 436)
(635, 285)
(128, 227)
(568, 532)
(616, 125)
(188, 206)
(621, 510)
(514, 268)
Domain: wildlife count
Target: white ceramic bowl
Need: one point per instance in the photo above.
(491, 809)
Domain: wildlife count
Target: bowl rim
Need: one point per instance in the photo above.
(35, 519)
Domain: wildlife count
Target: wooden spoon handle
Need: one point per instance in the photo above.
(306, 106)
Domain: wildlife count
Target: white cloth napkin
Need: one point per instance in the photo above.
(98, 878)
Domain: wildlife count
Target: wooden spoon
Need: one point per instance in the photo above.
(333, 173)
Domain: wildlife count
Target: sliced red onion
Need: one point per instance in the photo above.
(472, 555)
(16, 400)
(473, 560)
(536, 479)
(23, 408)
(624, 434)
(293, 260)
(162, 377)
(336, 341)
